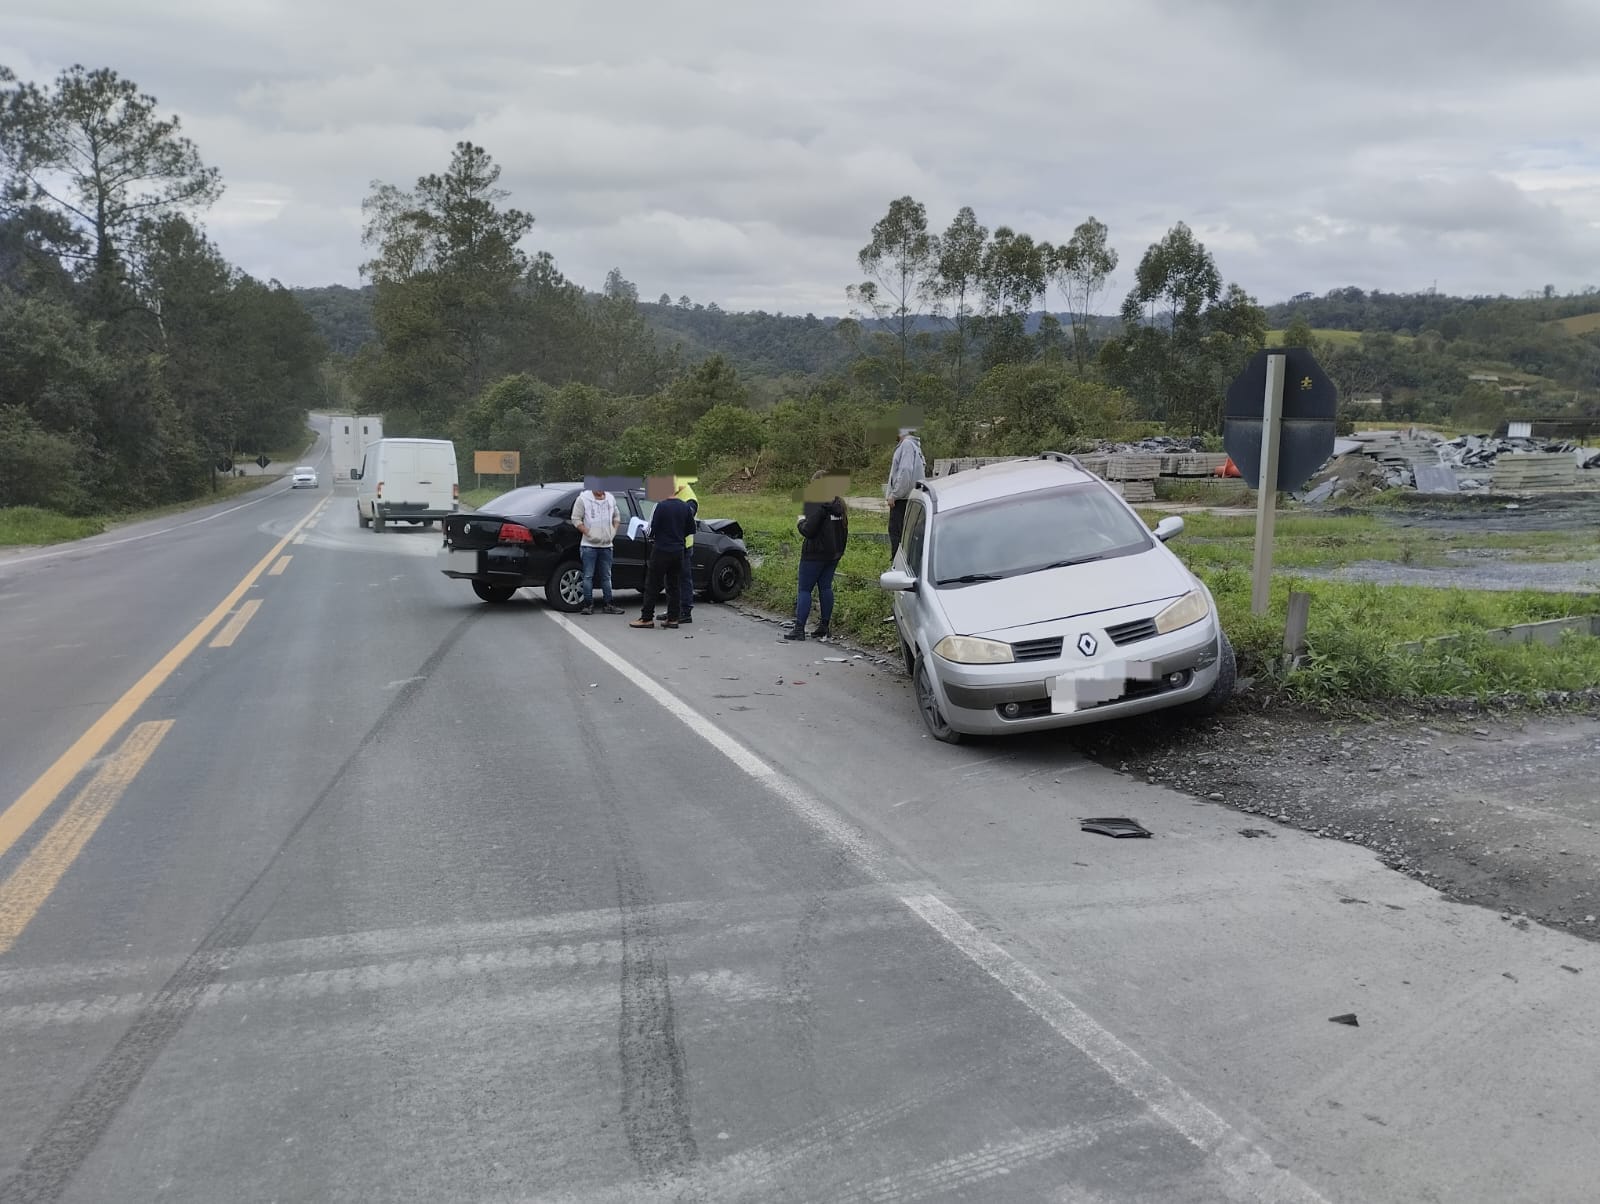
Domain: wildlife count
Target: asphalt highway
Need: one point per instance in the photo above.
(321, 880)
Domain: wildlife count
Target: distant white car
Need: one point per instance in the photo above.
(304, 477)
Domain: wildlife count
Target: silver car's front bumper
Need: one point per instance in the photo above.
(976, 698)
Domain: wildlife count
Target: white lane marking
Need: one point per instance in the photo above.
(1203, 1128)
(728, 919)
(989, 1161)
(1198, 1124)
(817, 814)
(539, 998)
(85, 546)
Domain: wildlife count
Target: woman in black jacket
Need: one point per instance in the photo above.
(824, 526)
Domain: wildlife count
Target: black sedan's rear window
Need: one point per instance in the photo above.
(530, 499)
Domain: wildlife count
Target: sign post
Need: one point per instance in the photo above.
(1267, 485)
(1278, 429)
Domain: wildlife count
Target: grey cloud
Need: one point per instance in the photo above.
(741, 152)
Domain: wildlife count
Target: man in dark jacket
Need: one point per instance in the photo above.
(824, 527)
(671, 524)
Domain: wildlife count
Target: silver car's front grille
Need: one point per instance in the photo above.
(1131, 633)
(1037, 650)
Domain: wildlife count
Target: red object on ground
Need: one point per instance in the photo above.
(1229, 469)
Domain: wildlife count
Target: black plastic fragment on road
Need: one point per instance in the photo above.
(1348, 1018)
(1119, 827)
(1253, 833)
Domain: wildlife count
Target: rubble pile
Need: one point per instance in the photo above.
(1155, 445)
(1429, 463)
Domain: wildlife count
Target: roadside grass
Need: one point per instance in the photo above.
(1307, 541)
(289, 457)
(227, 487)
(28, 526)
(1225, 491)
(1355, 627)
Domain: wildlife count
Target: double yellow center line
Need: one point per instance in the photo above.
(30, 883)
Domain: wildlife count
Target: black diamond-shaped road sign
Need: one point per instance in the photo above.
(1310, 402)
(262, 461)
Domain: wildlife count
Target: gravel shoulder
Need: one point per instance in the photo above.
(1503, 812)
(1479, 570)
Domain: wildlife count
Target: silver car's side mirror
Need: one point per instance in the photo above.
(1168, 527)
(897, 580)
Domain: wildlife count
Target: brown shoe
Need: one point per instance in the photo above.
(642, 623)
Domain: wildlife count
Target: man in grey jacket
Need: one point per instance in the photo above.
(905, 470)
(597, 518)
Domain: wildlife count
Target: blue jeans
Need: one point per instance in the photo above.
(687, 603)
(818, 575)
(596, 562)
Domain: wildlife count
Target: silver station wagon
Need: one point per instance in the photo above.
(1029, 595)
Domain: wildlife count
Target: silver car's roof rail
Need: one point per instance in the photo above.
(1063, 458)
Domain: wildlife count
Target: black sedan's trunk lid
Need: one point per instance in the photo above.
(470, 531)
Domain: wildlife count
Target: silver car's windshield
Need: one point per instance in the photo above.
(1032, 531)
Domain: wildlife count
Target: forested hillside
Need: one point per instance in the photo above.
(133, 357)
(136, 357)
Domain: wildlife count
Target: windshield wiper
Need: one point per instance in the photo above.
(1067, 564)
(969, 578)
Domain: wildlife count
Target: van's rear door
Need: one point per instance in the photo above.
(436, 475)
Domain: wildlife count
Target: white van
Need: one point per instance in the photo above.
(406, 480)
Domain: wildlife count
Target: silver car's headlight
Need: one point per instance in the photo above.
(973, 650)
(1190, 608)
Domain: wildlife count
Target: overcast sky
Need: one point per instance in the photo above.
(739, 151)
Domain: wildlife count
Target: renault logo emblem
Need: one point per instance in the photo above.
(1087, 644)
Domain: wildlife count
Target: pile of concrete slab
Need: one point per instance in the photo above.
(1429, 463)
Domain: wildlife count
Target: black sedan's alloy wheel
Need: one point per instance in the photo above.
(564, 589)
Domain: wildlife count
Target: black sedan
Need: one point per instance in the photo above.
(526, 537)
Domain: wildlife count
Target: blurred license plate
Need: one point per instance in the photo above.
(1087, 687)
(459, 560)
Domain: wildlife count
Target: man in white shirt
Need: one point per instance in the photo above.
(597, 518)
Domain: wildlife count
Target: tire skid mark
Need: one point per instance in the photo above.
(655, 1093)
(82, 1121)
(798, 1015)
(655, 1107)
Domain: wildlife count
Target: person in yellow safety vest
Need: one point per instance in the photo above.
(685, 492)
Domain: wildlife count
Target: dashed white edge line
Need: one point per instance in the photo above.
(1198, 1124)
(1234, 1154)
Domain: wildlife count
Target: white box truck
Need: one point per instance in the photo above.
(406, 481)
(348, 436)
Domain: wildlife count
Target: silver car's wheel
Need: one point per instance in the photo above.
(928, 706)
